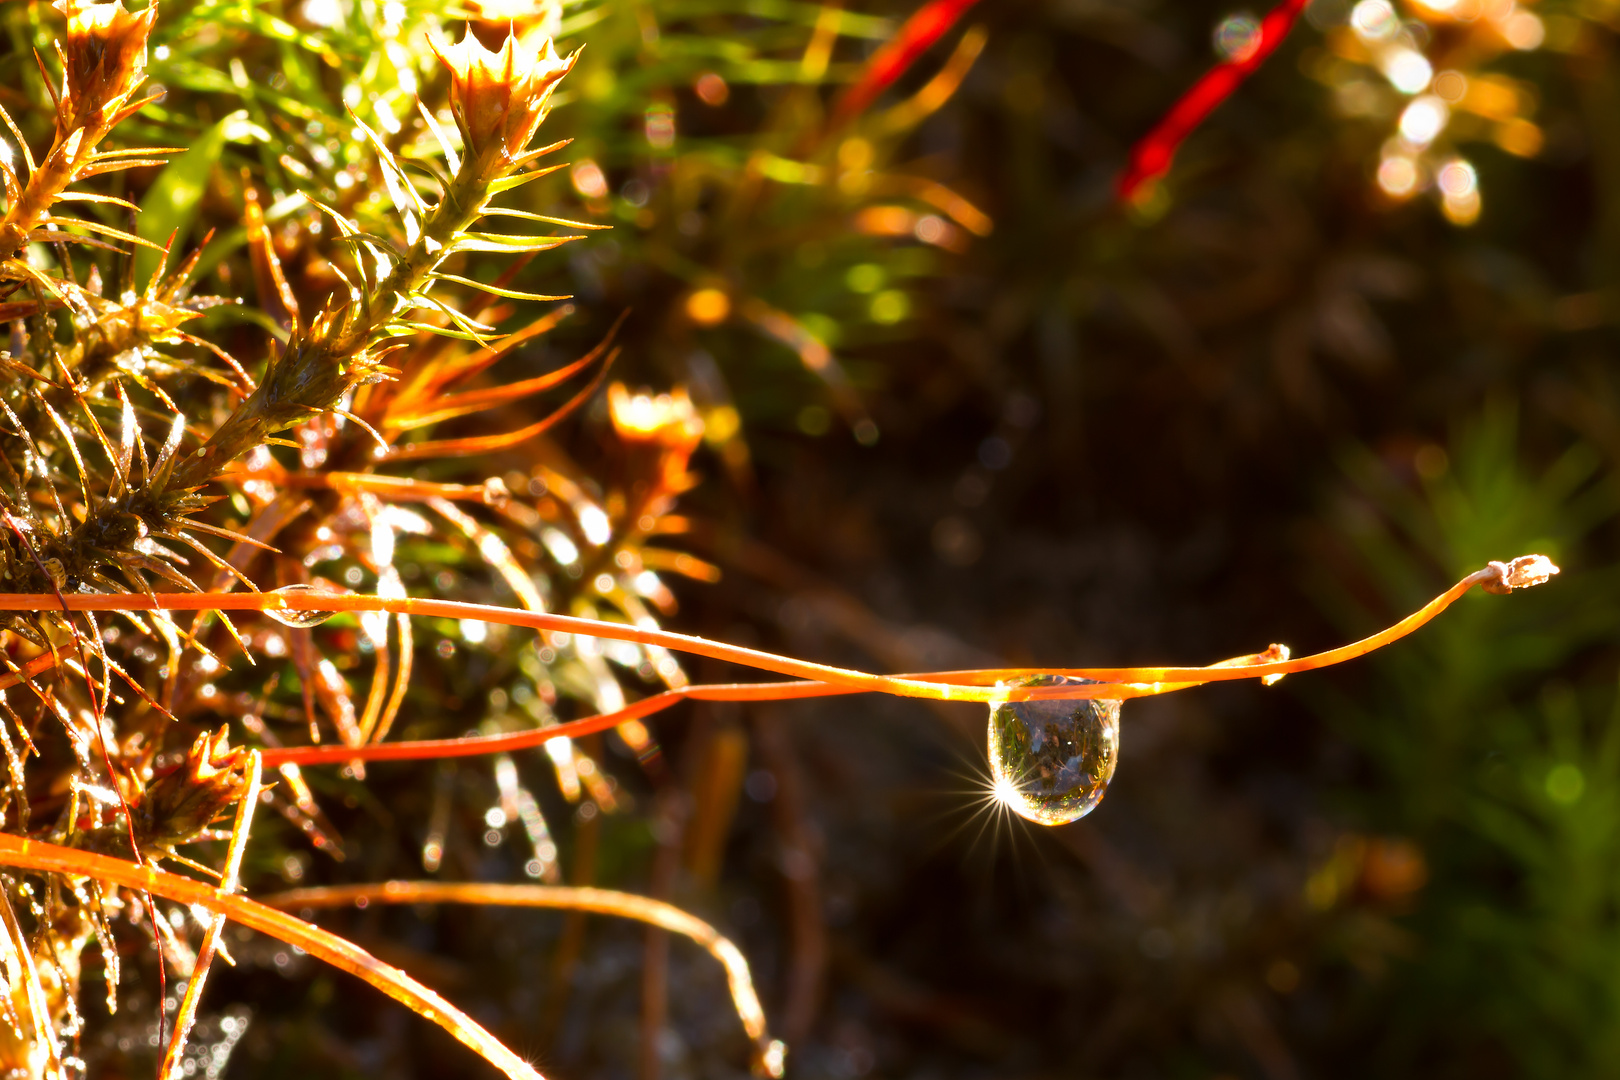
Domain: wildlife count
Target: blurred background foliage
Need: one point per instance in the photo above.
(961, 408)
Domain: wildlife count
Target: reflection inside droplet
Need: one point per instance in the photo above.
(292, 617)
(1051, 761)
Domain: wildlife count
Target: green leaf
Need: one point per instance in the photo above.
(501, 242)
(170, 205)
(507, 183)
(496, 290)
(501, 211)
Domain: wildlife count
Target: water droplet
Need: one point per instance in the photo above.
(1052, 760)
(294, 617)
(1237, 37)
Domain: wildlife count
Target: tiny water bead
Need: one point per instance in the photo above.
(1237, 37)
(1052, 760)
(295, 617)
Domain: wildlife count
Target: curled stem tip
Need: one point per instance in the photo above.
(1521, 573)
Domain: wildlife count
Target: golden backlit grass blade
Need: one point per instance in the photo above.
(240, 828)
(503, 243)
(680, 562)
(485, 444)
(86, 196)
(137, 151)
(22, 143)
(118, 165)
(528, 215)
(937, 195)
(451, 406)
(336, 697)
(103, 230)
(427, 377)
(268, 277)
(493, 550)
(402, 673)
(69, 441)
(231, 535)
(244, 383)
(768, 1052)
(393, 488)
(497, 290)
(20, 965)
(938, 90)
(323, 945)
(451, 158)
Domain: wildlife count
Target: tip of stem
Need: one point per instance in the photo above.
(1521, 573)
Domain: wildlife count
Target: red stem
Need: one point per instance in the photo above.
(894, 58)
(1151, 157)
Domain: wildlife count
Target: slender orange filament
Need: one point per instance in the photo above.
(977, 685)
(601, 901)
(37, 855)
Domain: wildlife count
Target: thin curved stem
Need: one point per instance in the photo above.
(23, 672)
(1151, 156)
(37, 855)
(558, 897)
(475, 745)
(240, 829)
(926, 25)
(974, 686)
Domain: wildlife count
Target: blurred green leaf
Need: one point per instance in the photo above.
(170, 205)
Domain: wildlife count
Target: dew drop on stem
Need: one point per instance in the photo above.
(296, 617)
(1051, 761)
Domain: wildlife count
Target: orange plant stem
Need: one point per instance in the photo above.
(566, 898)
(37, 855)
(948, 686)
(1111, 683)
(474, 745)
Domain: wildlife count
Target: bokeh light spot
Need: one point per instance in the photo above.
(1237, 37)
(1565, 784)
(1457, 179)
(711, 89)
(708, 307)
(1423, 121)
(1407, 70)
(1398, 176)
(890, 306)
(1374, 20)
(1451, 86)
(865, 278)
(1523, 31)
(588, 179)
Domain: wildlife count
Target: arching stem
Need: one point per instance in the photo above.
(978, 685)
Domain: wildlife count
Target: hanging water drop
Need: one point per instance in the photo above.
(297, 617)
(1051, 760)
